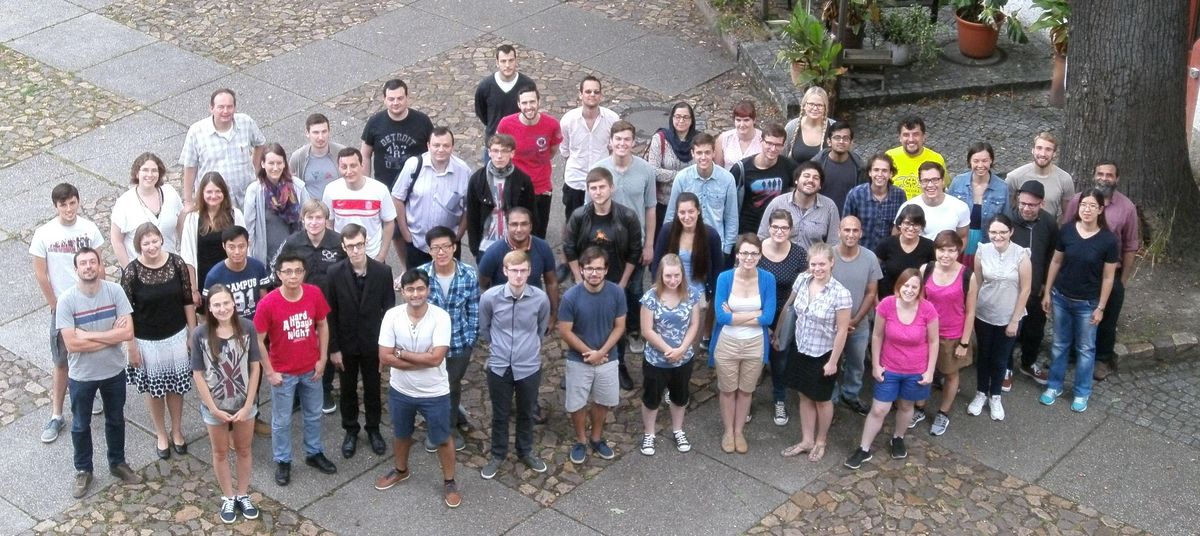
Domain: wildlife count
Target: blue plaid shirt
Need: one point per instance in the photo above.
(461, 302)
(877, 217)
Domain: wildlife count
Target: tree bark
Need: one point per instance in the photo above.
(1126, 92)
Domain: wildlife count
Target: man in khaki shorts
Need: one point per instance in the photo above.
(591, 320)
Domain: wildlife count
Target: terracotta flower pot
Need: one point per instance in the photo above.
(976, 40)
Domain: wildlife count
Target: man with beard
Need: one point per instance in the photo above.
(910, 154)
(1057, 184)
(1122, 219)
(538, 136)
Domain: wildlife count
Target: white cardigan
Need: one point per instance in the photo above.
(191, 229)
(255, 207)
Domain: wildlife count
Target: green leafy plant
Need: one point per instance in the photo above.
(911, 26)
(991, 13)
(858, 13)
(1055, 14)
(810, 45)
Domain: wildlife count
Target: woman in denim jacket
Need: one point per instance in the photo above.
(983, 191)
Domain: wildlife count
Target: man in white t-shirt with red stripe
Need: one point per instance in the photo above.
(357, 198)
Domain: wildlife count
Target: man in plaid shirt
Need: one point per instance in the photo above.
(226, 142)
(454, 287)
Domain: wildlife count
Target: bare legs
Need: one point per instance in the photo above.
(597, 413)
(243, 435)
(172, 403)
(879, 411)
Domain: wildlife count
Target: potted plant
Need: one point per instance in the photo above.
(1054, 18)
(813, 53)
(909, 34)
(979, 23)
(858, 14)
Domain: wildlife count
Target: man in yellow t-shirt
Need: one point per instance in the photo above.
(911, 154)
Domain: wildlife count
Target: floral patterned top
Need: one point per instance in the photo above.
(671, 323)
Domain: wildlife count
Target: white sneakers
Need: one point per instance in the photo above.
(976, 405)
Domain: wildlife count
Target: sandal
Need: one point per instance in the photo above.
(818, 452)
(796, 450)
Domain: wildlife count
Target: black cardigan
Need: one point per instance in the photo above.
(518, 192)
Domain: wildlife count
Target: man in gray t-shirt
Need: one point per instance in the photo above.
(93, 318)
(857, 269)
(1059, 186)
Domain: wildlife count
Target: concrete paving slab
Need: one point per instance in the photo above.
(424, 34)
(289, 131)
(343, 68)
(684, 65)
(94, 5)
(1143, 477)
(571, 33)
(307, 483)
(705, 496)
(264, 102)
(551, 521)
(1027, 443)
(41, 480)
(27, 16)
(18, 337)
(12, 519)
(60, 45)
(17, 285)
(154, 72)
(487, 507)
(485, 15)
(33, 172)
(109, 151)
(766, 441)
(31, 208)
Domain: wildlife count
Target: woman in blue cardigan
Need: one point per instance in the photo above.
(745, 308)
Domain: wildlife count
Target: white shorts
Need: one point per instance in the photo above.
(598, 383)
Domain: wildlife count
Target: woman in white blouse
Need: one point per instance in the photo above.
(149, 200)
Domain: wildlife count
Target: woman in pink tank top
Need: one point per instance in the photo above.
(954, 300)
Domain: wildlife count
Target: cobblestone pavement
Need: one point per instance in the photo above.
(939, 489)
(932, 491)
(177, 497)
(44, 106)
(1008, 120)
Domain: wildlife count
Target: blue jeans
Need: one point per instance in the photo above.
(435, 409)
(83, 393)
(1072, 326)
(311, 397)
(777, 360)
(854, 357)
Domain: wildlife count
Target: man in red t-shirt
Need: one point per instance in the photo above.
(538, 136)
(292, 317)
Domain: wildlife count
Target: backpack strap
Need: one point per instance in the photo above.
(413, 178)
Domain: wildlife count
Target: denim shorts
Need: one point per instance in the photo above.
(210, 420)
(404, 409)
(902, 386)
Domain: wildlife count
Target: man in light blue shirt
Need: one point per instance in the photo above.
(714, 186)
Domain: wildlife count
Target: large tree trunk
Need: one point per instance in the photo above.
(1125, 102)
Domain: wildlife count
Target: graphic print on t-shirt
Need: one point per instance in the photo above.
(356, 208)
(83, 318)
(70, 245)
(231, 385)
(298, 326)
(396, 146)
(764, 190)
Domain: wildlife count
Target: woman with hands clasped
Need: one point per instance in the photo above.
(225, 364)
(670, 321)
(822, 307)
(904, 349)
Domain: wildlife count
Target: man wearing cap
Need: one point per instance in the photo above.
(1035, 228)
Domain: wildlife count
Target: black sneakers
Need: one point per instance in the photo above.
(899, 451)
(859, 457)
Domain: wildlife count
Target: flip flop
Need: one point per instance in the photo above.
(796, 450)
(818, 452)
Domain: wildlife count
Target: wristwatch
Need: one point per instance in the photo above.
(963, 344)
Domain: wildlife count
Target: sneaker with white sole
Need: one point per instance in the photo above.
(490, 468)
(1079, 404)
(53, 427)
(681, 441)
(996, 408)
(247, 508)
(1049, 396)
(941, 422)
(976, 405)
(1006, 383)
(918, 416)
(781, 416)
(228, 510)
(1036, 373)
(648, 444)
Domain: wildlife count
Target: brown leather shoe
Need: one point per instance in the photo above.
(1101, 371)
(262, 428)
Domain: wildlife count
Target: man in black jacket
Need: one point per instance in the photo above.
(493, 190)
(614, 228)
(359, 292)
(1037, 230)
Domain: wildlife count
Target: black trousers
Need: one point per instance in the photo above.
(541, 220)
(368, 366)
(1106, 332)
(572, 199)
(1032, 332)
(501, 390)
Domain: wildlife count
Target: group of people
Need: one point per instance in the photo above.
(777, 248)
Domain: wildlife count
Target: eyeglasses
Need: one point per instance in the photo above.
(1029, 205)
(930, 181)
(910, 225)
(354, 247)
(772, 144)
(749, 254)
(291, 272)
(441, 248)
(678, 117)
(516, 271)
(784, 228)
(815, 105)
(840, 138)
(1089, 206)
(592, 270)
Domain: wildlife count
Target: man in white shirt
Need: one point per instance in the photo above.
(356, 198)
(414, 341)
(53, 248)
(942, 212)
(585, 133)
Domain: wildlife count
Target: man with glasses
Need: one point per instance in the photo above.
(844, 169)
(359, 292)
(814, 216)
(1035, 228)
(942, 212)
(454, 288)
(762, 177)
(585, 133)
(293, 317)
